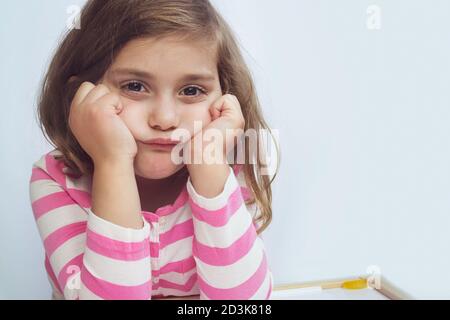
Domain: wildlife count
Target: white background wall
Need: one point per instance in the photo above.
(363, 119)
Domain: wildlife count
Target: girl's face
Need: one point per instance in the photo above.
(165, 84)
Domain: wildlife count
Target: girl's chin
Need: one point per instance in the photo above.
(160, 174)
(155, 167)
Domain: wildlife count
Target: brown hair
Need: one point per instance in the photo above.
(106, 26)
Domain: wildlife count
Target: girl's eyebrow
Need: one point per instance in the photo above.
(147, 75)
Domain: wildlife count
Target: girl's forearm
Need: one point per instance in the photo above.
(208, 179)
(115, 195)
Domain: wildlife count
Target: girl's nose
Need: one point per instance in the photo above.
(164, 115)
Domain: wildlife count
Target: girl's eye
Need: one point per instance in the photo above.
(133, 86)
(192, 90)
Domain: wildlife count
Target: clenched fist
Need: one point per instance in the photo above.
(95, 123)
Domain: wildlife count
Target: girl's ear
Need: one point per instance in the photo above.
(72, 79)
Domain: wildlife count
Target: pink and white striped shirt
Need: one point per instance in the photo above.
(195, 246)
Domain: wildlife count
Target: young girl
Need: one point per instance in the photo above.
(119, 219)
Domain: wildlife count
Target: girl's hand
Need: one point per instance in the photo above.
(209, 177)
(227, 118)
(95, 123)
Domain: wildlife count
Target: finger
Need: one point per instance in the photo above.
(82, 92)
(99, 91)
(214, 113)
(235, 99)
(234, 105)
(216, 108)
(111, 101)
(232, 98)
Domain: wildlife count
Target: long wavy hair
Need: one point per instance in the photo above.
(105, 27)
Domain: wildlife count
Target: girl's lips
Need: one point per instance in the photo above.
(162, 147)
(161, 141)
(162, 144)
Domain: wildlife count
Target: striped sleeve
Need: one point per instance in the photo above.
(230, 256)
(87, 257)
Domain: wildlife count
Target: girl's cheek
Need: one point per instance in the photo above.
(195, 112)
(205, 115)
(206, 112)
